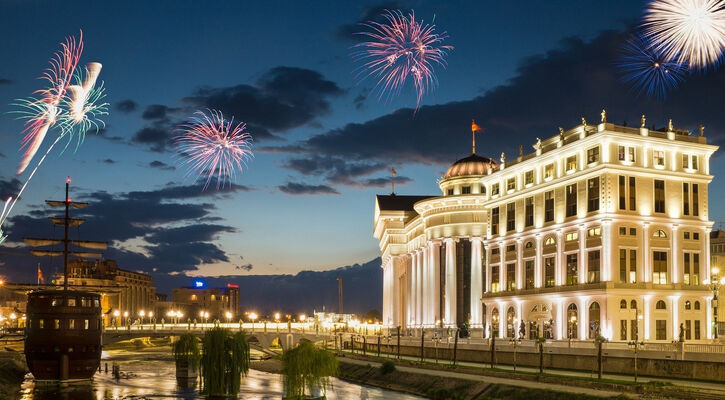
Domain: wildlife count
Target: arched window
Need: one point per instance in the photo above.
(697, 305)
(494, 322)
(688, 305)
(623, 304)
(571, 320)
(535, 308)
(633, 304)
(594, 315)
(550, 241)
(661, 305)
(659, 234)
(529, 244)
(510, 323)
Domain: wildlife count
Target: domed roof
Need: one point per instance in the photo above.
(471, 165)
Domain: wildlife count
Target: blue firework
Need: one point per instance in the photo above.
(647, 70)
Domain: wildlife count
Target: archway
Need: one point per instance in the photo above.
(510, 323)
(594, 315)
(494, 322)
(572, 323)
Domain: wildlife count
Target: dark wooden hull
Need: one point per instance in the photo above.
(63, 334)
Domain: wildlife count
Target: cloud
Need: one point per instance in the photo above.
(188, 234)
(4, 81)
(282, 99)
(157, 112)
(294, 188)
(335, 169)
(9, 188)
(347, 32)
(126, 106)
(161, 165)
(157, 136)
(385, 182)
(359, 100)
(578, 78)
(108, 161)
(2, 155)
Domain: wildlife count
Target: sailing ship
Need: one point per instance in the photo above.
(64, 327)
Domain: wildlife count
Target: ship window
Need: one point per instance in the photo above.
(57, 301)
(96, 303)
(70, 349)
(41, 323)
(71, 324)
(85, 324)
(56, 324)
(71, 302)
(85, 302)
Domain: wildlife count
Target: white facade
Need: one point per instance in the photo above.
(602, 230)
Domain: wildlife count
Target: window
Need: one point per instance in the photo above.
(659, 276)
(56, 301)
(571, 319)
(494, 220)
(686, 272)
(661, 305)
(659, 234)
(549, 265)
(593, 268)
(529, 245)
(695, 200)
(495, 251)
(549, 206)
(685, 161)
(686, 198)
(631, 154)
(688, 305)
(511, 248)
(633, 304)
(572, 236)
(594, 232)
(695, 236)
(593, 194)
(510, 217)
(593, 155)
(529, 274)
(450, 192)
(483, 189)
(550, 241)
(549, 171)
(510, 276)
(510, 184)
(466, 190)
(71, 301)
(633, 231)
(71, 324)
(622, 231)
(623, 304)
(658, 158)
(688, 329)
(697, 305)
(695, 269)
(495, 280)
(494, 189)
(623, 329)
(529, 212)
(622, 192)
(623, 266)
(694, 162)
(661, 329)
(85, 324)
(632, 193)
(697, 329)
(570, 192)
(529, 177)
(621, 153)
(56, 324)
(193, 297)
(659, 196)
(627, 275)
(572, 269)
(633, 267)
(571, 163)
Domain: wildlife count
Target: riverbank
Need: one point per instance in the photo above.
(12, 373)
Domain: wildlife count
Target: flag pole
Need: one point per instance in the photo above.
(392, 180)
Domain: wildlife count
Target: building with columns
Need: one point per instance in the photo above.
(602, 230)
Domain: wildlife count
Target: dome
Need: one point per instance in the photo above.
(471, 165)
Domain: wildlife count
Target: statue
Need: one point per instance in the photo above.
(521, 151)
(682, 333)
(522, 330)
(537, 145)
(670, 128)
(561, 133)
(604, 116)
(702, 130)
(503, 158)
(584, 122)
(642, 121)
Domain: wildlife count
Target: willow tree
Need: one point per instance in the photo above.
(224, 360)
(187, 355)
(307, 368)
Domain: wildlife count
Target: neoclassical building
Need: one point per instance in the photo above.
(603, 229)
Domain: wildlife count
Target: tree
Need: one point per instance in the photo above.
(187, 355)
(307, 368)
(224, 360)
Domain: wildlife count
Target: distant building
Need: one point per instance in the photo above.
(199, 298)
(717, 260)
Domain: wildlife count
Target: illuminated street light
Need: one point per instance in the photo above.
(253, 316)
(228, 315)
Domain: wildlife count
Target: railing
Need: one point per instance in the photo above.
(705, 348)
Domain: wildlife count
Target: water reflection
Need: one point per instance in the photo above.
(153, 378)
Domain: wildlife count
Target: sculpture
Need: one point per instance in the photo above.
(642, 121)
(604, 116)
(503, 158)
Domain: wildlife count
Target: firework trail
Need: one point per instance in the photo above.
(212, 145)
(687, 31)
(401, 49)
(647, 70)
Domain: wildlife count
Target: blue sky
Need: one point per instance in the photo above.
(162, 53)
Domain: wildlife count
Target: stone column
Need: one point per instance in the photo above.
(476, 282)
(419, 288)
(387, 283)
(606, 266)
(502, 267)
(488, 267)
(434, 251)
(646, 316)
(560, 273)
(450, 317)
(538, 264)
(705, 261)
(582, 261)
(583, 318)
(414, 289)
(519, 264)
(675, 274)
(502, 319)
(646, 275)
(410, 261)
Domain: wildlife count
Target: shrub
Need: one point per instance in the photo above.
(387, 367)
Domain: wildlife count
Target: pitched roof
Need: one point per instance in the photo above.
(396, 202)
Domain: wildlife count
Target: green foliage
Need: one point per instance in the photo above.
(305, 368)
(224, 360)
(187, 349)
(444, 394)
(387, 367)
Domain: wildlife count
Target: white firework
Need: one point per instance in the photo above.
(687, 31)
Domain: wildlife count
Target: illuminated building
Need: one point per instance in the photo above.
(603, 229)
(215, 301)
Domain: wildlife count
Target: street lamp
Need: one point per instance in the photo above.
(142, 314)
(253, 316)
(116, 314)
(228, 315)
(276, 321)
(125, 318)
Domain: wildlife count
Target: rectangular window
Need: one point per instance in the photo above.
(56, 324)
(658, 158)
(593, 268)
(511, 248)
(529, 177)
(696, 269)
(71, 324)
(549, 266)
(495, 280)
(593, 155)
(685, 161)
(686, 235)
(549, 171)
(623, 329)
(494, 189)
(41, 323)
(632, 231)
(688, 329)
(529, 271)
(686, 269)
(510, 277)
(622, 192)
(495, 251)
(622, 231)
(529, 211)
(661, 329)
(622, 265)
(571, 200)
(659, 276)
(466, 190)
(633, 329)
(632, 193)
(494, 220)
(594, 232)
(659, 196)
(571, 163)
(632, 266)
(631, 154)
(593, 194)
(510, 217)
(621, 153)
(85, 324)
(686, 199)
(510, 184)
(697, 329)
(695, 200)
(695, 236)
(450, 192)
(549, 206)
(71, 301)
(694, 162)
(572, 269)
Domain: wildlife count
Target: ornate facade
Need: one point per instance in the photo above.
(603, 229)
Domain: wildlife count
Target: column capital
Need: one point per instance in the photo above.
(449, 240)
(675, 226)
(475, 239)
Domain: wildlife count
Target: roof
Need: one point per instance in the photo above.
(394, 202)
(471, 165)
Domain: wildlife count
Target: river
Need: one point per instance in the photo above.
(152, 376)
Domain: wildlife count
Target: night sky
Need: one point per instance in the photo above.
(324, 143)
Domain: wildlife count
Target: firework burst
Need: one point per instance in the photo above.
(399, 50)
(647, 70)
(213, 146)
(687, 31)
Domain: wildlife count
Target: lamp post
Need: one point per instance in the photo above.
(715, 283)
(116, 314)
(636, 345)
(276, 321)
(125, 318)
(228, 316)
(303, 318)
(253, 317)
(141, 315)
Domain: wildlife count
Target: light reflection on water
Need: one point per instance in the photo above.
(153, 377)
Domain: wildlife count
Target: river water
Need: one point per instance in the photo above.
(151, 375)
